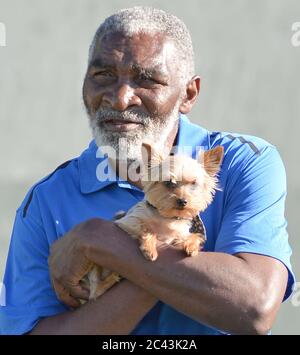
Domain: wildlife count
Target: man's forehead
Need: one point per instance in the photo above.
(151, 50)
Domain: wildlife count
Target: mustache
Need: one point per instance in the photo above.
(106, 114)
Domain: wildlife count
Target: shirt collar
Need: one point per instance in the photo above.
(191, 136)
(92, 161)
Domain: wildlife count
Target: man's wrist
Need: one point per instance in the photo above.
(105, 244)
(88, 234)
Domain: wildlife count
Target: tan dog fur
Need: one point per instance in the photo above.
(158, 216)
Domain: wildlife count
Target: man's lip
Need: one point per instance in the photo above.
(119, 122)
(121, 125)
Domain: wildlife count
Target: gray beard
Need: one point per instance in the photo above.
(127, 145)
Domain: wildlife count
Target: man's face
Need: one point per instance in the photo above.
(133, 90)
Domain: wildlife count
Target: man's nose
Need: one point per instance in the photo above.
(122, 98)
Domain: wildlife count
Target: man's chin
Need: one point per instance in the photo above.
(122, 144)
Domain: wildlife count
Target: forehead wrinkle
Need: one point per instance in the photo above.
(106, 58)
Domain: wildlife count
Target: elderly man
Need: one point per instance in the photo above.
(139, 85)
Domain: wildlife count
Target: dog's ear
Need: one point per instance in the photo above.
(150, 157)
(212, 160)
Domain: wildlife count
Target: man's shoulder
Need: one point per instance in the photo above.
(51, 185)
(246, 152)
(235, 144)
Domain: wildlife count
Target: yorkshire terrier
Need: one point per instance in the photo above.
(176, 190)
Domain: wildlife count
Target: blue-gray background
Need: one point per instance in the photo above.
(250, 84)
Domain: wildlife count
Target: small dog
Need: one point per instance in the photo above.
(176, 190)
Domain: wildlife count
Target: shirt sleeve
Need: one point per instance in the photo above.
(29, 294)
(254, 220)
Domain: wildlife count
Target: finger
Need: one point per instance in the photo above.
(77, 291)
(64, 296)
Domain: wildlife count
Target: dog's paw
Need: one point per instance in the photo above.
(191, 247)
(119, 215)
(149, 254)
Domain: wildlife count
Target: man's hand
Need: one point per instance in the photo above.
(68, 263)
(120, 309)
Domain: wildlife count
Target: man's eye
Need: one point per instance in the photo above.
(105, 74)
(146, 78)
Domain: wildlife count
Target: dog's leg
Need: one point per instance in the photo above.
(148, 246)
(193, 244)
(99, 285)
(105, 285)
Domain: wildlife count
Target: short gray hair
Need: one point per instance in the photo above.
(150, 20)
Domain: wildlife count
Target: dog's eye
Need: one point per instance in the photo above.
(170, 184)
(194, 182)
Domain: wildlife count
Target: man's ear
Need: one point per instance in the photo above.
(191, 94)
(212, 160)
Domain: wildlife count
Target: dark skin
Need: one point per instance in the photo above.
(236, 293)
(127, 74)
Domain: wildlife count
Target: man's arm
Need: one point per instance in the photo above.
(117, 312)
(237, 294)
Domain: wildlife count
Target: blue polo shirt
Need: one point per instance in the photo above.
(247, 215)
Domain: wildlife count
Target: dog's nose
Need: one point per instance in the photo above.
(181, 202)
